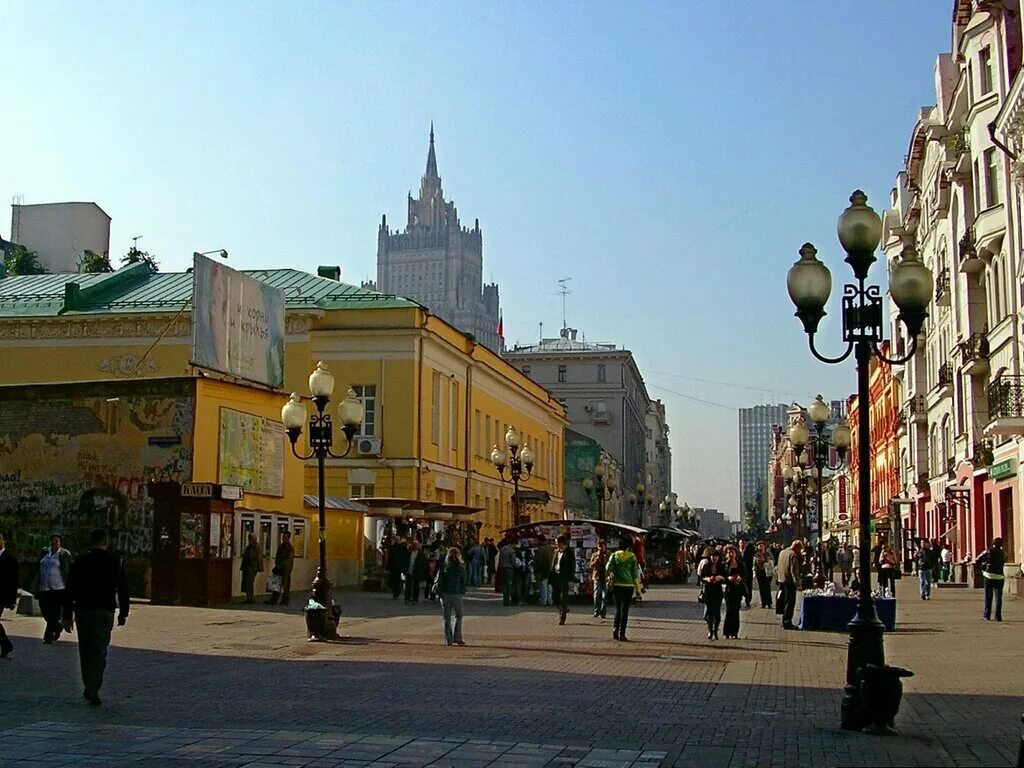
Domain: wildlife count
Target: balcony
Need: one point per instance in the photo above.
(901, 423)
(944, 378)
(1006, 406)
(942, 288)
(967, 253)
(917, 410)
(951, 467)
(974, 355)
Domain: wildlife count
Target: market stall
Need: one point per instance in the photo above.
(666, 553)
(584, 536)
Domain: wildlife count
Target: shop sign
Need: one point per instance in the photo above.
(197, 490)
(1002, 469)
(231, 492)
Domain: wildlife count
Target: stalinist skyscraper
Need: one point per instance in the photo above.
(438, 262)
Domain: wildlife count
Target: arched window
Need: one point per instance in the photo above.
(947, 443)
(933, 451)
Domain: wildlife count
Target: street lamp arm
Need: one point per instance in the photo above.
(300, 456)
(830, 360)
(334, 455)
(896, 360)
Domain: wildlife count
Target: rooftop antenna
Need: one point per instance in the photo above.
(542, 330)
(563, 291)
(135, 242)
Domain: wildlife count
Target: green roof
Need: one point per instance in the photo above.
(134, 290)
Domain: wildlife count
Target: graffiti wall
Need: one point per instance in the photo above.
(77, 457)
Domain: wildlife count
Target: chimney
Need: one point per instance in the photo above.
(331, 273)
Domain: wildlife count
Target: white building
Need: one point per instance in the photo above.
(60, 233)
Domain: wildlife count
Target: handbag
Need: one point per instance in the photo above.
(274, 583)
(700, 595)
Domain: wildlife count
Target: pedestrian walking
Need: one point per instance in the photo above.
(562, 575)
(712, 580)
(888, 569)
(476, 565)
(98, 587)
(844, 558)
(598, 576)
(51, 586)
(736, 591)
(8, 592)
(543, 562)
(252, 563)
(991, 563)
(284, 561)
(764, 567)
(490, 558)
(398, 562)
(926, 557)
(623, 575)
(452, 589)
(945, 563)
(414, 574)
(507, 572)
(787, 573)
(746, 555)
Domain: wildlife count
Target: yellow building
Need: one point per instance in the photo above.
(435, 401)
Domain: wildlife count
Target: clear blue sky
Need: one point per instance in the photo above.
(669, 157)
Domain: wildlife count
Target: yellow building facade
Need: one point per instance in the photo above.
(435, 400)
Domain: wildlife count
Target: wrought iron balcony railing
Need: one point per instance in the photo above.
(942, 288)
(1006, 398)
(944, 377)
(982, 454)
(968, 248)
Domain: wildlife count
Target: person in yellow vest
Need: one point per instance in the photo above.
(624, 578)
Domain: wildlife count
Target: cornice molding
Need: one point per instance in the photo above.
(116, 327)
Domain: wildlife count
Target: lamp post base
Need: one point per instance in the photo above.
(866, 648)
(322, 621)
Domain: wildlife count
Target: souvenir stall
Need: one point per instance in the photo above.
(431, 523)
(584, 536)
(666, 550)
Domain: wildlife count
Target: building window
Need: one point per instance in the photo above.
(561, 374)
(526, 370)
(367, 395)
(453, 415)
(986, 78)
(435, 411)
(602, 374)
(361, 490)
(992, 177)
(487, 437)
(476, 434)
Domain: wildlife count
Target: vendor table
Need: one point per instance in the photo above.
(834, 613)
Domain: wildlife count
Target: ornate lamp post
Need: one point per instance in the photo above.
(640, 502)
(517, 460)
(603, 485)
(818, 444)
(322, 622)
(910, 284)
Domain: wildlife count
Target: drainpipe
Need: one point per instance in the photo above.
(992, 135)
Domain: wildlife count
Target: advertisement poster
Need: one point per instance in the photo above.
(237, 324)
(251, 453)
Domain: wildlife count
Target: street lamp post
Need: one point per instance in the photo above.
(603, 485)
(809, 283)
(321, 622)
(516, 459)
(641, 502)
(818, 444)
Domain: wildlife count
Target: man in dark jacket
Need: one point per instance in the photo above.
(98, 587)
(927, 557)
(992, 563)
(747, 559)
(562, 574)
(415, 572)
(284, 561)
(398, 562)
(8, 592)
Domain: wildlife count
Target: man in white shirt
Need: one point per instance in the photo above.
(946, 563)
(54, 565)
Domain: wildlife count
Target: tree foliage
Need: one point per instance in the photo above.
(21, 261)
(93, 262)
(134, 256)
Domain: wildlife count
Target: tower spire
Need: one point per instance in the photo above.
(431, 158)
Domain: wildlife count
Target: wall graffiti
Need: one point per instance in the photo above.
(70, 463)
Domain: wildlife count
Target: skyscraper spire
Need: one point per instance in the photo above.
(431, 158)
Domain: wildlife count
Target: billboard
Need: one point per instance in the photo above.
(237, 324)
(251, 453)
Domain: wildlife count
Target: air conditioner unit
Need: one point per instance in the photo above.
(587, 408)
(368, 446)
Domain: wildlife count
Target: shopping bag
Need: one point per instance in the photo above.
(274, 583)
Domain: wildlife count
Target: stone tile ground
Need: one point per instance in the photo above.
(240, 687)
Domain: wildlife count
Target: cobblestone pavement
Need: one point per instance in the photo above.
(239, 686)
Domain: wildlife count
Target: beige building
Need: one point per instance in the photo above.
(61, 232)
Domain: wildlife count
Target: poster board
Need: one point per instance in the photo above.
(251, 453)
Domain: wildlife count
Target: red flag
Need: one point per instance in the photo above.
(501, 325)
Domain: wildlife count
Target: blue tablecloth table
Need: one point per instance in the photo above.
(834, 613)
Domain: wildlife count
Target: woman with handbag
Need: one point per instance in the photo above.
(888, 569)
(735, 592)
(764, 569)
(712, 576)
